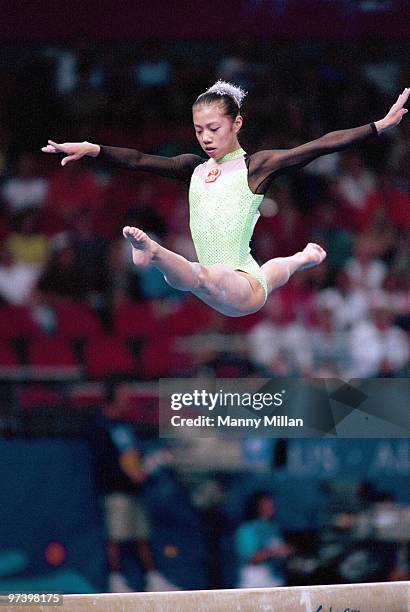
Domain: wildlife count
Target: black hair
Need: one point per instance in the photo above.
(230, 105)
(252, 505)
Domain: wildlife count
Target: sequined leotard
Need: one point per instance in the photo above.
(224, 204)
(222, 226)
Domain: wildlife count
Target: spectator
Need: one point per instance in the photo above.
(25, 190)
(279, 347)
(26, 243)
(364, 269)
(329, 346)
(63, 276)
(348, 303)
(336, 240)
(260, 546)
(386, 202)
(17, 279)
(122, 474)
(378, 348)
(354, 182)
(90, 253)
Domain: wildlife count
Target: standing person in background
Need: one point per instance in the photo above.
(260, 546)
(122, 474)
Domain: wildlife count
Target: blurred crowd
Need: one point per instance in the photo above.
(61, 227)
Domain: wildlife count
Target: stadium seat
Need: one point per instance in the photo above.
(134, 320)
(106, 357)
(52, 358)
(86, 395)
(159, 358)
(191, 316)
(76, 321)
(16, 322)
(39, 396)
(9, 363)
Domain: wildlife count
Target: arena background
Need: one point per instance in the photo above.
(84, 338)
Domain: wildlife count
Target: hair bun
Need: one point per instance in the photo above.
(222, 88)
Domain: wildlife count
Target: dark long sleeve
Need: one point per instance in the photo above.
(180, 167)
(266, 165)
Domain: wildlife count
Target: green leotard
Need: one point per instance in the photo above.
(223, 213)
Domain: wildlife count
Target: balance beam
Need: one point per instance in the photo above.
(371, 597)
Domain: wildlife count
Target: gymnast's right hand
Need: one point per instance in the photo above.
(72, 150)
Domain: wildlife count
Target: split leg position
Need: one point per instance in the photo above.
(231, 292)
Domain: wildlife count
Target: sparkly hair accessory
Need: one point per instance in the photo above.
(222, 88)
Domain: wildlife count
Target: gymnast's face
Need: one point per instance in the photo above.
(217, 133)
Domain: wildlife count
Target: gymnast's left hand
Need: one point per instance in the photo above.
(395, 114)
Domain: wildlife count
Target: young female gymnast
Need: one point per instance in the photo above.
(225, 193)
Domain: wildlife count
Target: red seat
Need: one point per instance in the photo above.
(242, 325)
(8, 356)
(52, 357)
(159, 358)
(132, 319)
(107, 357)
(16, 322)
(76, 321)
(191, 316)
(39, 396)
(88, 395)
(9, 363)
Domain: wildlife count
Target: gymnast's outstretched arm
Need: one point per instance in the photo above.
(179, 167)
(265, 165)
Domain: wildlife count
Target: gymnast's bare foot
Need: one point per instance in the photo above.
(312, 255)
(142, 246)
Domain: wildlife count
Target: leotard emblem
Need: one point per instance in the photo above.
(213, 175)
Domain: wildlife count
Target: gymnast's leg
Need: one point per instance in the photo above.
(231, 292)
(178, 271)
(279, 270)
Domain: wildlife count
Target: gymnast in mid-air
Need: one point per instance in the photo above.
(225, 192)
